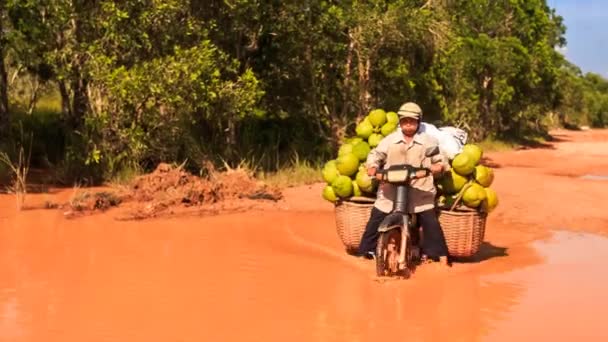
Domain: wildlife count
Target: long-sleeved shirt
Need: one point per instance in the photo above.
(393, 150)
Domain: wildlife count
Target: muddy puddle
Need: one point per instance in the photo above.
(273, 276)
(595, 177)
(564, 298)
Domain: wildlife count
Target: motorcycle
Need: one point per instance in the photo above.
(399, 236)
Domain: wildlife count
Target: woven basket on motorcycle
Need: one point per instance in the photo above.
(464, 228)
(352, 215)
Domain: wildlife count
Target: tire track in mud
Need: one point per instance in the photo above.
(363, 268)
(239, 271)
(308, 248)
(271, 273)
(253, 269)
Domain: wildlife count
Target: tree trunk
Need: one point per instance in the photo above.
(79, 82)
(346, 86)
(4, 113)
(74, 101)
(35, 91)
(364, 94)
(486, 121)
(364, 62)
(65, 100)
(80, 101)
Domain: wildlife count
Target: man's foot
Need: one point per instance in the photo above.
(441, 261)
(368, 255)
(424, 259)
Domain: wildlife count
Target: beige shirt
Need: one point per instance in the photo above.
(394, 150)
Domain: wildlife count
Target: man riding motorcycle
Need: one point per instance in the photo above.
(407, 145)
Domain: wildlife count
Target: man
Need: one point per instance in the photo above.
(407, 145)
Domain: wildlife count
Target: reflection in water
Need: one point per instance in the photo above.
(222, 278)
(565, 297)
(595, 177)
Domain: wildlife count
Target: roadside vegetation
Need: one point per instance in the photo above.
(108, 90)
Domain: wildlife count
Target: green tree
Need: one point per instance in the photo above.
(500, 73)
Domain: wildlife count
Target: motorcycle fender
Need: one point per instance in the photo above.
(392, 221)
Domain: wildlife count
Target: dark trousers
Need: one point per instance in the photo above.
(433, 242)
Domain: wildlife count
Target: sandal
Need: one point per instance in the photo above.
(424, 259)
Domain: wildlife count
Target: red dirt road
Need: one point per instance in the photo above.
(281, 273)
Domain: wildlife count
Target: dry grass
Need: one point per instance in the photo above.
(297, 173)
(88, 201)
(491, 145)
(19, 171)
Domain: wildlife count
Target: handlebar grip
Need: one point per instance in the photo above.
(422, 172)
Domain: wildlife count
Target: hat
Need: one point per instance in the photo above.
(410, 110)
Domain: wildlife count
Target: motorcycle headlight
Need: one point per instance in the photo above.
(396, 176)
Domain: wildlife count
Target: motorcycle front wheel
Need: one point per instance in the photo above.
(387, 254)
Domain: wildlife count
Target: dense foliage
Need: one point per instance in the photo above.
(137, 82)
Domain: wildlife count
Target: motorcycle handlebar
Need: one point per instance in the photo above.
(418, 172)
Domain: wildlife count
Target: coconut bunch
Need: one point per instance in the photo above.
(468, 180)
(346, 176)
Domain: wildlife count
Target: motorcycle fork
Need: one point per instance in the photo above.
(405, 235)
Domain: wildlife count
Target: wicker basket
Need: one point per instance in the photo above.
(351, 218)
(463, 229)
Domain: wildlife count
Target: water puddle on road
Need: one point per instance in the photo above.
(564, 298)
(246, 277)
(595, 177)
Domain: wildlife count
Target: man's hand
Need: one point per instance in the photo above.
(436, 168)
(373, 172)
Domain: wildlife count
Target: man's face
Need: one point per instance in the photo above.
(409, 126)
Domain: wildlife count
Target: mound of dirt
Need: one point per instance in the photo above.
(169, 186)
